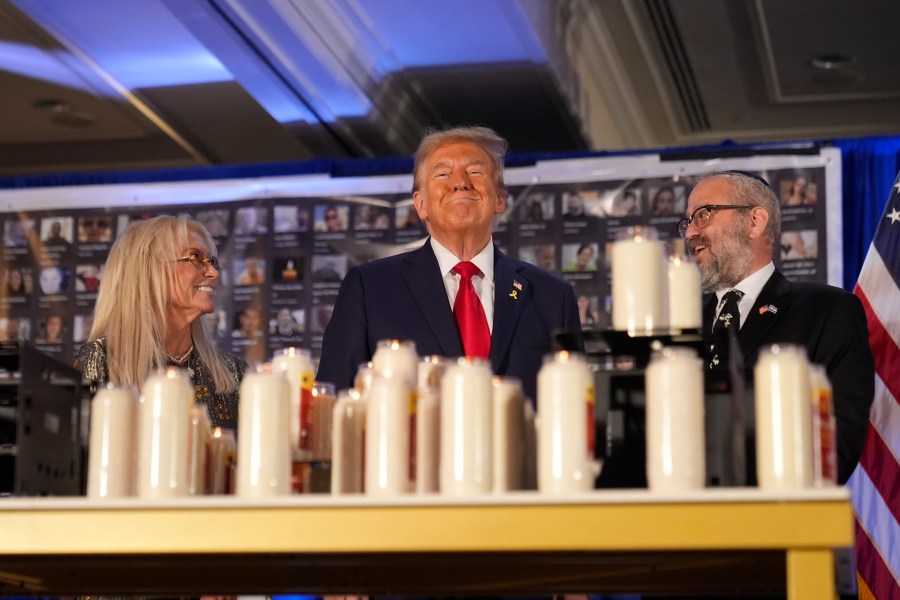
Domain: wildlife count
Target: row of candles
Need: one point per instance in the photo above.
(432, 425)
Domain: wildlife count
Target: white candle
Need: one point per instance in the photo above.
(466, 465)
(565, 424)
(163, 438)
(428, 422)
(111, 450)
(199, 444)
(222, 458)
(363, 380)
(508, 435)
(396, 357)
(639, 295)
(388, 416)
(676, 439)
(685, 293)
(264, 456)
(824, 432)
(321, 421)
(347, 443)
(297, 366)
(783, 418)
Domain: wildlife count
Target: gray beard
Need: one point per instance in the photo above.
(728, 263)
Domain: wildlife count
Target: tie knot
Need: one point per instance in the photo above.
(466, 269)
(733, 296)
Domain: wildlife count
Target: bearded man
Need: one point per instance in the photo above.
(732, 227)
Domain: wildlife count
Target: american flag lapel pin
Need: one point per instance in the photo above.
(517, 287)
(769, 308)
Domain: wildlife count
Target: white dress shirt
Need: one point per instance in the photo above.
(751, 286)
(483, 284)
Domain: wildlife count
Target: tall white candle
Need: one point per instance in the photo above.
(297, 366)
(397, 358)
(388, 415)
(783, 418)
(639, 295)
(163, 438)
(347, 443)
(508, 435)
(530, 441)
(264, 456)
(565, 424)
(685, 293)
(363, 380)
(112, 449)
(824, 432)
(222, 458)
(428, 419)
(676, 438)
(199, 444)
(466, 465)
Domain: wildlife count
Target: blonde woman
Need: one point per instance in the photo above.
(160, 278)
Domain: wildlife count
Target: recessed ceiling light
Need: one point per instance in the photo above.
(831, 62)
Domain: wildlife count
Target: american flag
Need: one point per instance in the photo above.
(875, 484)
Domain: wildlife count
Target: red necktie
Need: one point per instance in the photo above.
(473, 325)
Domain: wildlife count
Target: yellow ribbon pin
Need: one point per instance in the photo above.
(514, 294)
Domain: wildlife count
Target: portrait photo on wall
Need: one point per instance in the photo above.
(665, 200)
(579, 258)
(589, 310)
(799, 245)
(215, 221)
(250, 220)
(81, 329)
(247, 323)
(290, 218)
(18, 281)
(54, 280)
(87, 278)
(288, 270)
(329, 268)
(625, 202)
(249, 271)
(536, 207)
(51, 330)
(57, 231)
(541, 255)
(126, 219)
(321, 316)
(95, 228)
(13, 329)
(331, 217)
(798, 189)
(17, 232)
(406, 218)
(288, 322)
(371, 217)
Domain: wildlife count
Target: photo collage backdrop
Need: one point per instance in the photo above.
(283, 258)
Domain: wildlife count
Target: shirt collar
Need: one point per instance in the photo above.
(484, 260)
(751, 285)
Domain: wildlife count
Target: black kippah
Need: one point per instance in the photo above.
(751, 176)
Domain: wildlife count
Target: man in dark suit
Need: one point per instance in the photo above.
(732, 229)
(459, 192)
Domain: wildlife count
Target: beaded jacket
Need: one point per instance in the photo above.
(222, 408)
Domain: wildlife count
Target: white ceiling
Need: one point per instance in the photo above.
(131, 84)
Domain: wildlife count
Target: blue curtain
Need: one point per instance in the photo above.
(869, 167)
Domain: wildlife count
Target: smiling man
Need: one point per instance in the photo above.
(458, 294)
(732, 227)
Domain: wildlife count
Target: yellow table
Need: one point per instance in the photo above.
(524, 543)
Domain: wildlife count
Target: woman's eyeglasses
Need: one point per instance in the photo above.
(200, 263)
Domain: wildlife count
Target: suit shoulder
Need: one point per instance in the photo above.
(818, 291)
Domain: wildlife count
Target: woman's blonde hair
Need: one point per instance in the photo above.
(134, 297)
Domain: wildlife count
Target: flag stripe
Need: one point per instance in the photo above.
(884, 416)
(883, 471)
(878, 524)
(876, 282)
(872, 570)
(884, 350)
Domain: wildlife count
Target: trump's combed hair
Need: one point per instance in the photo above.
(133, 302)
(754, 190)
(483, 137)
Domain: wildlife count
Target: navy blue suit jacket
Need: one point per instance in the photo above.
(831, 324)
(403, 297)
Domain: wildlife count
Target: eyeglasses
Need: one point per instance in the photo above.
(701, 217)
(200, 263)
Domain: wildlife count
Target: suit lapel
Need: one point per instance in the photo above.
(709, 311)
(423, 276)
(771, 303)
(511, 294)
